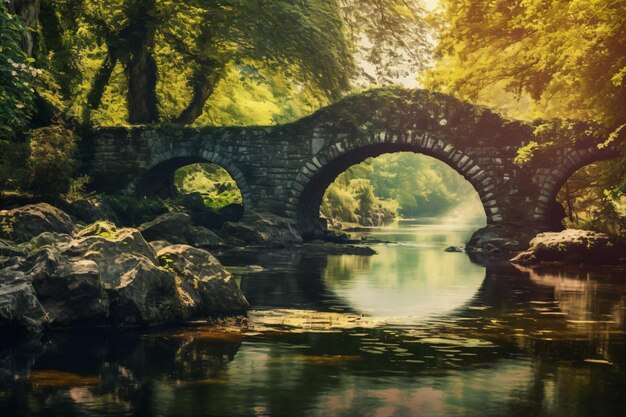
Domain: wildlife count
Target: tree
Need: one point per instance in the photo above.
(558, 59)
(318, 44)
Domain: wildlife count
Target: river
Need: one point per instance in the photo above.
(411, 331)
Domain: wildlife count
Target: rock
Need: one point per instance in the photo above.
(157, 245)
(573, 246)
(205, 284)
(70, 290)
(245, 269)
(46, 239)
(10, 249)
(106, 251)
(106, 275)
(263, 229)
(23, 223)
(91, 210)
(100, 228)
(499, 239)
(454, 249)
(231, 212)
(143, 293)
(20, 310)
(172, 227)
(337, 249)
(202, 237)
(205, 216)
(199, 212)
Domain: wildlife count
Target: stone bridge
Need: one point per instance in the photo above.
(286, 169)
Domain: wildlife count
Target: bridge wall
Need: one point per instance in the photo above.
(286, 169)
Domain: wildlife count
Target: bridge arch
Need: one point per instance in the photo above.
(332, 159)
(158, 177)
(550, 181)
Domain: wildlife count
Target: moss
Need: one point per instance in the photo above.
(101, 228)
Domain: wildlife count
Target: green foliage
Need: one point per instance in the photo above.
(217, 187)
(404, 184)
(526, 153)
(538, 59)
(591, 202)
(143, 61)
(567, 57)
(52, 159)
(16, 77)
(339, 203)
(77, 189)
(354, 202)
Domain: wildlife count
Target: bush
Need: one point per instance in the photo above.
(16, 76)
(214, 183)
(52, 160)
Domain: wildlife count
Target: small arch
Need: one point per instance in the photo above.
(320, 171)
(547, 210)
(158, 179)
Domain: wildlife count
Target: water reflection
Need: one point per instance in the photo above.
(341, 336)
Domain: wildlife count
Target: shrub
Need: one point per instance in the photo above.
(16, 76)
(52, 160)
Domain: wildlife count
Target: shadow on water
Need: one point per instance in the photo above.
(410, 331)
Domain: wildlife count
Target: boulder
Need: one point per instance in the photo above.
(329, 248)
(231, 212)
(202, 237)
(204, 283)
(92, 209)
(46, 239)
(20, 309)
(206, 216)
(263, 229)
(499, 239)
(172, 227)
(9, 249)
(454, 249)
(573, 246)
(23, 223)
(70, 290)
(105, 250)
(100, 228)
(143, 293)
(109, 275)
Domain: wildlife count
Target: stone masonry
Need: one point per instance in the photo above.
(286, 169)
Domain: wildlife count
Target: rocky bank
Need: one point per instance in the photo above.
(573, 246)
(55, 272)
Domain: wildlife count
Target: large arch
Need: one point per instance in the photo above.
(330, 161)
(158, 178)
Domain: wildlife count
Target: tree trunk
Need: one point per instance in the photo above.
(141, 67)
(28, 10)
(202, 90)
(142, 78)
(141, 73)
(101, 80)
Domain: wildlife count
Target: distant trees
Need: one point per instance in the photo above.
(400, 185)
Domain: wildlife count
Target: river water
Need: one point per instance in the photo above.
(411, 331)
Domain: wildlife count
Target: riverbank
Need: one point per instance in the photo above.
(58, 271)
